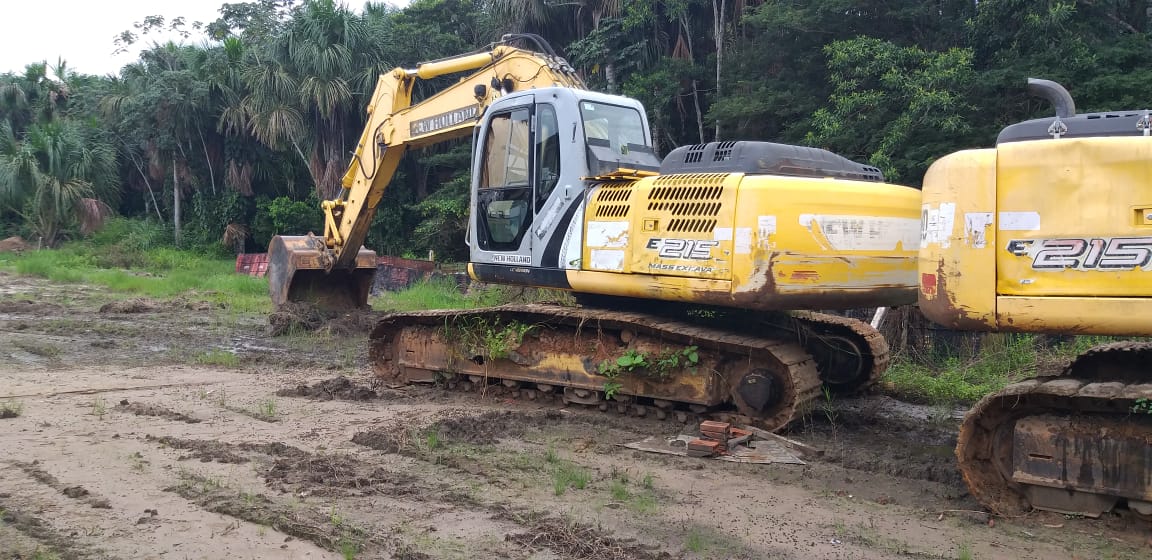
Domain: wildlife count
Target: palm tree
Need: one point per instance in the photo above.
(306, 89)
(56, 175)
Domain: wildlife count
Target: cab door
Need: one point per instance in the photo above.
(502, 193)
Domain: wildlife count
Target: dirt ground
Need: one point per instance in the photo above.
(176, 429)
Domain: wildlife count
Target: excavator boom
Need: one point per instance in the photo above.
(335, 271)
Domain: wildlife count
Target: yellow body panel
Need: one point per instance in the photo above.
(958, 241)
(1066, 242)
(757, 241)
(1072, 216)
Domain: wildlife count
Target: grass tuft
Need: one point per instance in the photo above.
(11, 409)
(218, 358)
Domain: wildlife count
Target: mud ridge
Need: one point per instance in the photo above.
(210, 450)
(573, 539)
(141, 409)
(75, 492)
(65, 546)
(28, 306)
(291, 470)
(337, 388)
(147, 305)
(301, 523)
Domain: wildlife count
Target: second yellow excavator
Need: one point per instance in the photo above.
(700, 275)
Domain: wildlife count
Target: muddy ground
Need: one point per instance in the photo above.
(177, 429)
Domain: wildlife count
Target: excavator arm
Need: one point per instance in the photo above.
(336, 271)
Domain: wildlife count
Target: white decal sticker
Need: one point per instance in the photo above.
(607, 234)
(743, 240)
(765, 226)
(1019, 221)
(975, 224)
(551, 217)
(570, 247)
(863, 233)
(512, 259)
(607, 259)
(722, 234)
(936, 224)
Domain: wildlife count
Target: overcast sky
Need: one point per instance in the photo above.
(82, 31)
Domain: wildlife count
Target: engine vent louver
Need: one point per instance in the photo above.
(694, 200)
(612, 200)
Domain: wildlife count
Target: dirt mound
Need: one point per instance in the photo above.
(338, 388)
(146, 305)
(331, 475)
(134, 305)
(205, 451)
(380, 440)
(487, 428)
(304, 317)
(141, 409)
(14, 244)
(478, 429)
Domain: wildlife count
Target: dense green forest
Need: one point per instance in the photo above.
(228, 142)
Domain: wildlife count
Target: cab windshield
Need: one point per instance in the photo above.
(613, 126)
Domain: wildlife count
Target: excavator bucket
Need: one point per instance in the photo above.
(297, 274)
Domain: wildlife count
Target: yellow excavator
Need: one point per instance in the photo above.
(700, 276)
(1050, 231)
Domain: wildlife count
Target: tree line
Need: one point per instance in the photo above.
(230, 141)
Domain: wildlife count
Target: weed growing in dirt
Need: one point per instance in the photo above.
(11, 409)
(99, 407)
(648, 482)
(619, 490)
(217, 357)
(964, 552)
(41, 554)
(569, 475)
(706, 541)
(138, 462)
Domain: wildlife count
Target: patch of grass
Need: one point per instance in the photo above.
(265, 410)
(11, 409)
(619, 490)
(707, 542)
(569, 475)
(964, 552)
(1002, 359)
(964, 381)
(217, 358)
(42, 349)
(143, 269)
(443, 293)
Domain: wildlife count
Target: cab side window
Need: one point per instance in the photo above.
(547, 153)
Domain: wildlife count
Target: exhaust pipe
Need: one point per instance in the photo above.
(1055, 94)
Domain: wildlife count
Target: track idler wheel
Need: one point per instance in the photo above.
(756, 392)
